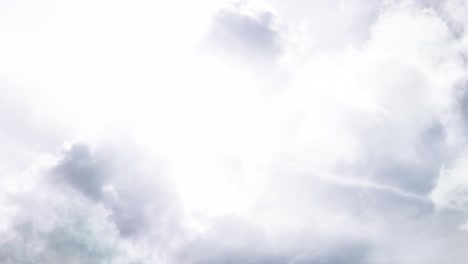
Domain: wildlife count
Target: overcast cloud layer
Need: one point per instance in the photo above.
(247, 132)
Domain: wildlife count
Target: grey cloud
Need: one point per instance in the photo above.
(51, 227)
(360, 202)
(137, 194)
(389, 164)
(425, 239)
(73, 215)
(71, 246)
(233, 240)
(347, 252)
(252, 36)
(300, 197)
(80, 169)
(461, 96)
(406, 227)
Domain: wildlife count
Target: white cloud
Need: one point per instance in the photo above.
(217, 131)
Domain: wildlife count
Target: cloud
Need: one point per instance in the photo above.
(245, 132)
(84, 206)
(138, 196)
(49, 225)
(244, 31)
(82, 172)
(231, 239)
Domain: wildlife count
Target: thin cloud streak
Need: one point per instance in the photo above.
(366, 184)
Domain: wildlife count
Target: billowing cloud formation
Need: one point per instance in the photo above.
(233, 132)
(137, 197)
(83, 205)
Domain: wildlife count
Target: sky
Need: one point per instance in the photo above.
(234, 132)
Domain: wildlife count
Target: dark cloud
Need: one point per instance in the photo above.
(461, 96)
(80, 169)
(344, 253)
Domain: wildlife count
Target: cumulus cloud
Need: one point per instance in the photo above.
(82, 207)
(233, 132)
